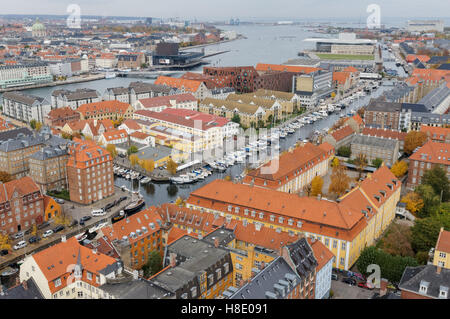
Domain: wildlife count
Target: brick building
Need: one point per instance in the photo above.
(430, 154)
(135, 237)
(21, 205)
(59, 117)
(382, 114)
(89, 172)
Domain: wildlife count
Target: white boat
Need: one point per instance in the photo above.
(182, 179)
(145, 180)
(110, 75)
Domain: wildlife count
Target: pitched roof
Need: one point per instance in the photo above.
(166, 100)
(23, 186)
(131, 124)
(443, 242)
(285, 68)
(377, 184)
(115, 135)
(61, 112)
(436, 133)
(55, 260)
(414, 277)
(113, 106)
(342, 133)
(134, 227)
(189, 85)
(433, 152)
(386, 133)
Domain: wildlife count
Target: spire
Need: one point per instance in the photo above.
(78, 271)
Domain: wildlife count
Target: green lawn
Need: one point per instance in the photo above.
(344, 56)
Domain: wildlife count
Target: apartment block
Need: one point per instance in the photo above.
(89, 172)
(25, 107)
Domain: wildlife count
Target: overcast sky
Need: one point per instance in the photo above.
(225, 9)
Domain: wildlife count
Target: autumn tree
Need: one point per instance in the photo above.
(316, 186)
(172, 166)
(227, 178)
(5, 177)
(413, 201)
(413, 140)
(179, 201)
(339, 123)
(148, 165)
(111, 148)
(399, 168)
(397, 240)
(340, 181)
(5, 242)
(61, 219)
(360, 162)
(134, 159)
(335, 162)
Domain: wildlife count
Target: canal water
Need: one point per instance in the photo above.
(156, 194)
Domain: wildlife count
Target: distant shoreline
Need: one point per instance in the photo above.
(78, 79)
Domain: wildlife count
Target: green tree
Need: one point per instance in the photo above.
(33, 123)
(430, 201)
(153, 265)
(111, 148)
(132, 149)
(236, 118)
(437, 178)
(425, 232)
(344, 151)
(377, 162)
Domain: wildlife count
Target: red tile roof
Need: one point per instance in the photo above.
(342, 133)
(189, 85)
(23, 186)
(97, 108)
(285, 68)
(322, 254)
(393, 134)
(166, 100)
(436, 133)
(433, 152)
(443, 242)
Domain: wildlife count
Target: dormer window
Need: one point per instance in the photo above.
(299, 224)
(390, 186)
(230, 208)
(378, 198)
(424, 287)
(383, 193)
(443, 292)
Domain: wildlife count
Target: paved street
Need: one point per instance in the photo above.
(341, 290)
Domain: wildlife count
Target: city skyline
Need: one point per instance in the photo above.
(198, 9)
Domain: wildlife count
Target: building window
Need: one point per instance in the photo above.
(57, 282)
(334, 243)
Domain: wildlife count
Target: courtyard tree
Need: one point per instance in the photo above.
(437, 179)
(111, 148)
(413, 201)
(132, 149)
(316, 186)
(399, 168)
(413, 140)
(5, 177)
(153, 265)
(340, 181)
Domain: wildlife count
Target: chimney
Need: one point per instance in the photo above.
(173, 260)
(216, 242)
(63, 238)
(94, 251)
(383, 287)
(25, 285)
(438, 270)
(262, 265)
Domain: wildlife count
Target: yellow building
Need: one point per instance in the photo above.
(345, 228)
(442, 250)
(51, 208)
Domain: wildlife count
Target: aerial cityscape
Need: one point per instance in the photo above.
(199, 152)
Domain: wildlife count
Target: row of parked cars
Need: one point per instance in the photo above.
(35, 239)
(354, 279)
(102, 211)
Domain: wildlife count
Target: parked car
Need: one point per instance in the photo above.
(109, 206)
(4, 252)
(34, 239)
(73, 223)
(47, 233)
(98, 212)
(58, 228)
(18, 235)
(334, 277)
(121, 199)
(21, 244)
(43, 225)
(60, 201)
(365, 285)
(349, 281)
(84, 219)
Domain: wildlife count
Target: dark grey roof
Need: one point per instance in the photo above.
(24, 98)
(413, 277)
(375, 141)
(22, 142)
(435, 97)
(19, 292)
(383, 106)
(110, 268)
(118, 90)
(223, 235)
(135, 289)
(49, 152)
(430, 118)
(14, 134)
(78, 94)
(142, 87)
(445, 66)
(302, 256)
(414, 107)
(275, 281)
(438, 59)
(197, 255)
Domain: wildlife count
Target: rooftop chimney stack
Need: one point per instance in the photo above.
(173, 260)
(438, 270)
(216, 242)
(25, 285)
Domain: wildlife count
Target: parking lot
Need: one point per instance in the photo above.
(75, 212)
(342, 290)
